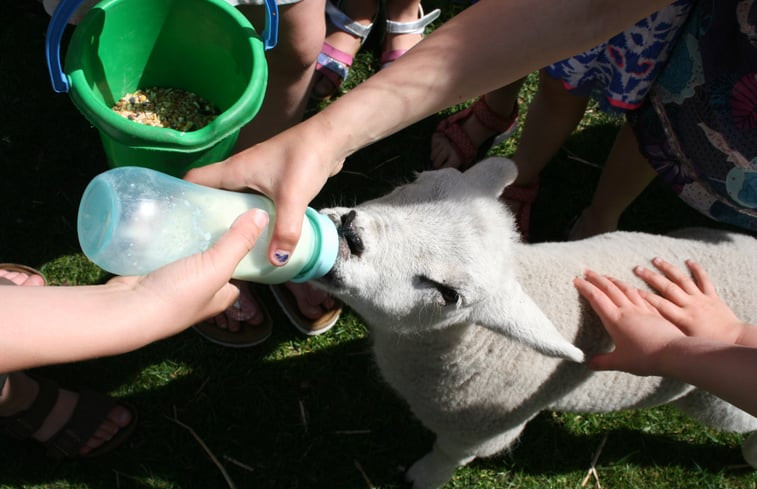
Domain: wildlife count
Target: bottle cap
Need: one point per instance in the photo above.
(326, 247)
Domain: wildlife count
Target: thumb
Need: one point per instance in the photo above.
(237, 242)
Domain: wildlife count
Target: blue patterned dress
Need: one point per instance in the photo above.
(619, 72)
(698, 126)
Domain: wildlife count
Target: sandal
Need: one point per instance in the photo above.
(90, 411)
(15, 267)
(305, 325)
(452, 129)
(249, 334)
(334, 64)
(525, 195)
(415, 27)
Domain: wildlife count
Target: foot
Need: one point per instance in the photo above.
(311, 302)
(20, 392)
(405, 27)
(459, 140)
(22, 277)
(591, 223)
(311, 311)
(343, 41)
(245, 310)
(246, 323)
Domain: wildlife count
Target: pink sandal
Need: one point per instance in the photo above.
(452, 129)
(334, 64)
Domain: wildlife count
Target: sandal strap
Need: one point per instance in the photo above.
(15, 267)
(334, 63)
(343, 22)
(24, 424)
(461, 142)
(490, 119)
(414, 27)
(90, 411)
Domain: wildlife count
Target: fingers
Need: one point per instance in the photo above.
(702, 279)
(230, 174)
(616, 290)
(287, 228)
(598, 300)
(674, 285)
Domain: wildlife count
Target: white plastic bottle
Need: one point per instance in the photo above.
(133, 220)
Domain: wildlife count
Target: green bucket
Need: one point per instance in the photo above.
(206, 47)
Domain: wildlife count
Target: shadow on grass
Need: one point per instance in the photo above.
(318, 419)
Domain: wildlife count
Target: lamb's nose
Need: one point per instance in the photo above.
(347, 230)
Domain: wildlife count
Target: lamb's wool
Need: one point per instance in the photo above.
(478, 332)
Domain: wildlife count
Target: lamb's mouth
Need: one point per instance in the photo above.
(350, 247)
(350, 242)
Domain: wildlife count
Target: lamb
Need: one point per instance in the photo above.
(479, 332)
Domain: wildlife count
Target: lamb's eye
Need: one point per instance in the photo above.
(449, 294)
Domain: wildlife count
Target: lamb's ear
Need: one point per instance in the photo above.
(492, 175)
(519, 318)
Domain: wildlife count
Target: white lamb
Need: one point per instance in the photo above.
(479, 332)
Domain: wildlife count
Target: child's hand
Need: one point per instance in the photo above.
(197, 287)
(692, 305)
(638, 330)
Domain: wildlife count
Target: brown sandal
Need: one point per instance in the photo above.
(90, 411)
(249, 334)
(15, 267)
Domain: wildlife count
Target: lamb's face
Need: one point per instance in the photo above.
(428, 252)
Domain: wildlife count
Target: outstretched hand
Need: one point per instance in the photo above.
(197, 287)
(637, 328)
(690, 303)
(642, 324)
(286, 168)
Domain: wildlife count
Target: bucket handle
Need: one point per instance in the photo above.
(67, 8)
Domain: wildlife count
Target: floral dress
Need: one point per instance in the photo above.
(620, 72)
(698, 126)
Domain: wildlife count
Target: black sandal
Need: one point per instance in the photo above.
(90, 411)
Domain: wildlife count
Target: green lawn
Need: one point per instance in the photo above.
(298, 412)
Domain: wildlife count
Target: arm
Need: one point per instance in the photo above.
(46, 325)
(647, 343)
(488, 45)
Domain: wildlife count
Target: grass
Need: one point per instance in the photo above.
(297, 412)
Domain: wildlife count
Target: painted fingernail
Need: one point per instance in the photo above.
(281, 256)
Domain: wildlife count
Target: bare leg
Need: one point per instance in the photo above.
(625, 175)
(552, 117)
(290, 68)
(19, 392)
(360, 11)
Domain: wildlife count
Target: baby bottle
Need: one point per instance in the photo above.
(133, 220)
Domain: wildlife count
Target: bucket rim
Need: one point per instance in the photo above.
(138, 135)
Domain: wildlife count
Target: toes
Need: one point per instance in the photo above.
(21, 278)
